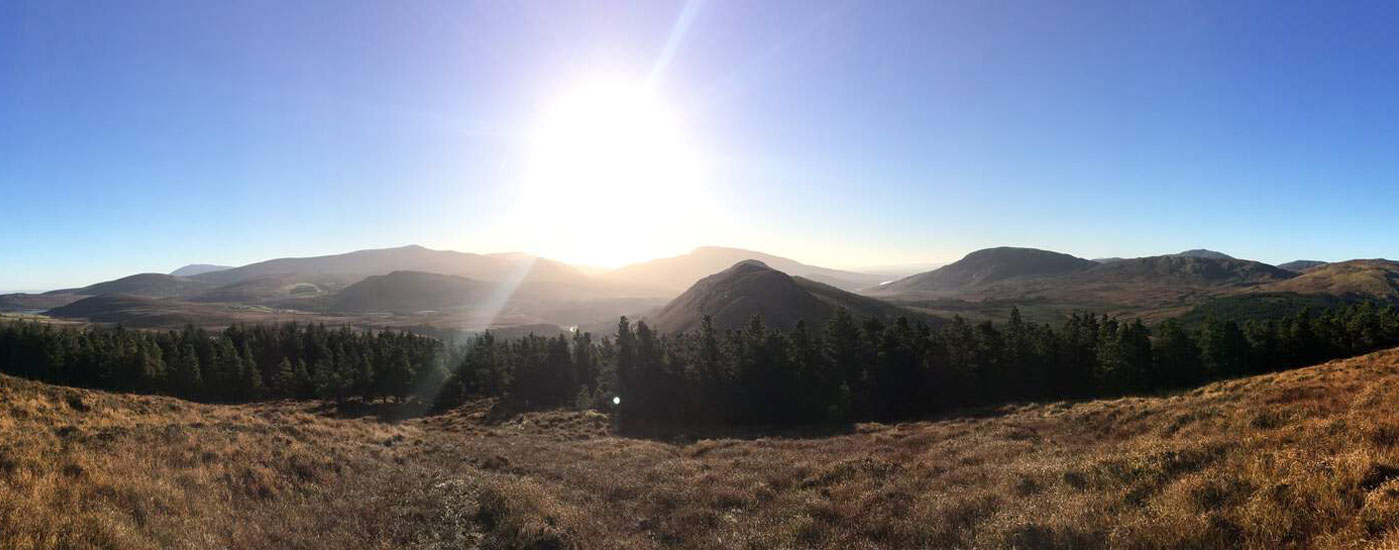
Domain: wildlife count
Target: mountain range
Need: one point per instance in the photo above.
(1048, 285)
(413, 285)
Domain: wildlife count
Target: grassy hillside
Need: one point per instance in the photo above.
(1302, 459)
(731, 297)
(35, 302)
(1301, 266)
(1050, 285)
(83, 469)
(1374, 279)
(282, 289)
(408, 291)
(981, 269)
(140, 312)
(149, 285)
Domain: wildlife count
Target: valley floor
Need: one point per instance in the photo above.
(1302, 459)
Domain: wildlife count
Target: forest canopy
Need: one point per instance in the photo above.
(847, 370)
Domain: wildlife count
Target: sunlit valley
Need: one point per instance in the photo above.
(698, 274)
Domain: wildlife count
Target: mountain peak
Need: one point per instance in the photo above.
(750, 265)
(1300, 266)
(750, 287)
(196, 269)
(1204, 253)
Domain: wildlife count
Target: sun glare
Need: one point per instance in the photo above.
(610, 178)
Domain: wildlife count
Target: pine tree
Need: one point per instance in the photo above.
(188, 378)
(284, 379)
(1223, 347)
(249, 378)
(302, 385)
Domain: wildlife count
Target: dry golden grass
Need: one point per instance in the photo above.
(82, 469)
(1302, 459)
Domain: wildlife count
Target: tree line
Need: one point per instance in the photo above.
(240, 363)
(851, 369)
(845, 370)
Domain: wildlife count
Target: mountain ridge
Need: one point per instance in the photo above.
(381, 261)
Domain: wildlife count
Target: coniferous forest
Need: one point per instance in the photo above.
(847, 370)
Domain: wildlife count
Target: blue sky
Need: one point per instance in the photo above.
(143, 136)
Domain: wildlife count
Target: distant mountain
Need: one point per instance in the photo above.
(285, 288)
(1319, 288)
(410, 291)
(21, 301)
(148, 285)
(985, 267)
(140, 311)
(680, 272)
(105, 308)
(198, 269)
(1374, 279)
(1108, 260)
(364, 263)
(891, 273)
(1203, 253)
(731, 297)
(1184, 270)
(1301, 266)
(1047, 285)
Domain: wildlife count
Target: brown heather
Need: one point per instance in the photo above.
(1302, 459)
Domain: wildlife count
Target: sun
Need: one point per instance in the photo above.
(611, 177)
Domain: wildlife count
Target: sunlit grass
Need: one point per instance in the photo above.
(1301, 459)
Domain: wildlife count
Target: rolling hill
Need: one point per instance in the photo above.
(149, 285)
(983, 268)
(731, 297)
(364, 263)
(198, 269)
(139, 311)
(1323, 287)
(409, 291)
(35, 302)
(1180, 270)
(680, 272)
(143, 312)
(1301, 266)
(1047, 285)
(286, 289)
(1204, 253)
(1374, 279)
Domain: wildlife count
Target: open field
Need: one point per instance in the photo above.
(1302, 459)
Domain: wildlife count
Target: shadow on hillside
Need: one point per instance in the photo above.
(390, 413)
(691, 434)
(498, 412)
(506, 412)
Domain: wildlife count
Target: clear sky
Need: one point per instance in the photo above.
(141, 136)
